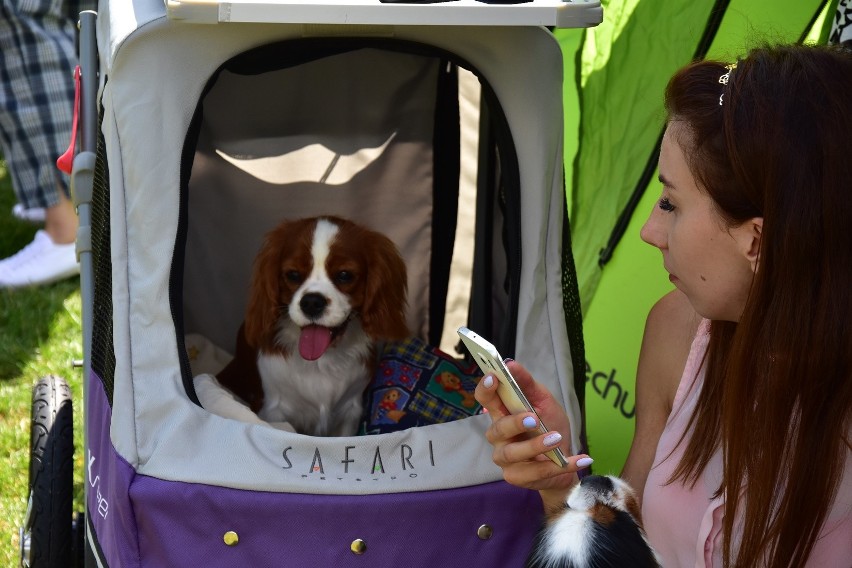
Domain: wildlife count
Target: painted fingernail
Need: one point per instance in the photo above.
(529, 422)
(584, 462)
(552, 439)
(488, 381)
(508, 360)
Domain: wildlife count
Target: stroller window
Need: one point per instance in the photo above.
(373, 135)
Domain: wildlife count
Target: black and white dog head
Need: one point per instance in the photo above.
(600, 526)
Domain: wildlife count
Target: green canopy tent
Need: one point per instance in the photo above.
(613, 125)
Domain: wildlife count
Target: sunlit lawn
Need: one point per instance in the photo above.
(39, 335)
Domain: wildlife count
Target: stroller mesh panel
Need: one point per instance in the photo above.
(574, 323)
(103, 354)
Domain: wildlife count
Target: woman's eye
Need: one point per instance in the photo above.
(666, 205)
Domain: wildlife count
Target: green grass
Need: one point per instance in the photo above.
(40, 335)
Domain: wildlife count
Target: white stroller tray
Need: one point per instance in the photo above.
(557, 13)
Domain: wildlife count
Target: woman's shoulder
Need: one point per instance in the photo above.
(669, 329)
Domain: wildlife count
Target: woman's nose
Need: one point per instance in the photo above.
(652, 231)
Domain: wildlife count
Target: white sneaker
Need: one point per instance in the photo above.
(40, 262)
(33, 214)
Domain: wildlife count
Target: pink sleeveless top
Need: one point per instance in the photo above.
(684, 525)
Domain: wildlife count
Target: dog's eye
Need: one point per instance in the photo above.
(293, 276)
(344, 277)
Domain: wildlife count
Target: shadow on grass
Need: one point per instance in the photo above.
(27, 315)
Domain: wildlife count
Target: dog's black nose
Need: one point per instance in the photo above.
(313, 304)
(598, 483)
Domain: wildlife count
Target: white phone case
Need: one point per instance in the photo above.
(491, 362)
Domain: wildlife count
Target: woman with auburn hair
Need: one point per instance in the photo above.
(743, 444)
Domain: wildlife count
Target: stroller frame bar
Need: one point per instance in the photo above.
(556, 13)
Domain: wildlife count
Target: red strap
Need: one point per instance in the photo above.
(66, 160)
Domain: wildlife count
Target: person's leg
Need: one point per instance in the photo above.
(36, 100)
(37, 60)
(60, 221)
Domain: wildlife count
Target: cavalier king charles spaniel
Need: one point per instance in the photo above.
(599, 527)
(324, 291)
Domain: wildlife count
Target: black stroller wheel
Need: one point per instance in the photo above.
(46, 539)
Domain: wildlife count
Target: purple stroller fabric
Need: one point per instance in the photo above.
(143, 521)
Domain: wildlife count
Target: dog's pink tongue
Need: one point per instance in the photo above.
(313, 341)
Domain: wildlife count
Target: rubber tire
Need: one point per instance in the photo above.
(51, 481)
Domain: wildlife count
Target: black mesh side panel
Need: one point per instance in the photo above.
(574, 324)
(103, 354)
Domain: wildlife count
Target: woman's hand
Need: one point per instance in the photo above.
(521, 456)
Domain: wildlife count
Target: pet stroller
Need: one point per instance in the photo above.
(196, 140)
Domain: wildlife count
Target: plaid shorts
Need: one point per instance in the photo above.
(38, 53)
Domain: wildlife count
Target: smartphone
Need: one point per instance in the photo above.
(490, 362)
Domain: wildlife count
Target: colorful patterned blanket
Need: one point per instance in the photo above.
(416, 384)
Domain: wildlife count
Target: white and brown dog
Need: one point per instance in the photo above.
(324, 291)
(600, 526)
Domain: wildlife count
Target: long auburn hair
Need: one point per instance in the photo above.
(778, 384)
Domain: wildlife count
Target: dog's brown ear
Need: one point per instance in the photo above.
(383, 313)
(262, 308)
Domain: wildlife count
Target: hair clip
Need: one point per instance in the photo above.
(723, 79)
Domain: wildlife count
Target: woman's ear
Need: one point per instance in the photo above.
(753, 229)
